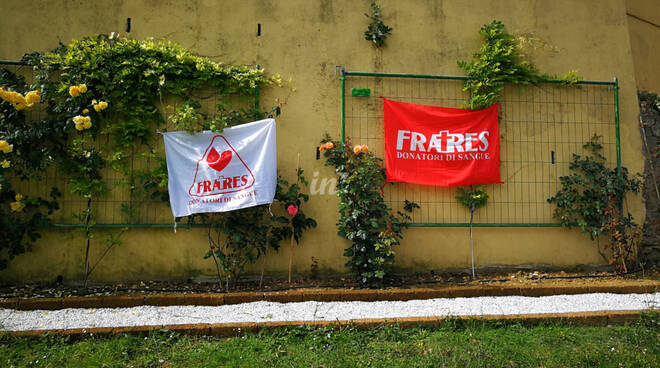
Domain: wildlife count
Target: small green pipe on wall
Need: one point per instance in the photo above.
(342, 78)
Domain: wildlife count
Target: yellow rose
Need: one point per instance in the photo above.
(6, 147)
(16, 97)
(94, 102)
(82, 88)
(5, 164)
(16, 206)
(18, 197)
(102, 105)
(33, 97)
(78, 119)
(74, 91)
(79, 127)
(85, 111)
(21, 106)
(87, 124)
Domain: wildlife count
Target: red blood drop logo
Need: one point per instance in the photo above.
(220, 170)
(217, 161)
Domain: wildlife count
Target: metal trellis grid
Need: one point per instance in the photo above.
(541, 127)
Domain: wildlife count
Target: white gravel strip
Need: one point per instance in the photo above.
(15, 320)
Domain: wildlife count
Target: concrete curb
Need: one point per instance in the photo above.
(321, 295)
(601, 318)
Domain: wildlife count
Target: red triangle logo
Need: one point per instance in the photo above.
(220, 170)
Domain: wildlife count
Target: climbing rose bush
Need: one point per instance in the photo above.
(364, 217)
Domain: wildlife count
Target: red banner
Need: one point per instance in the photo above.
(441, 146)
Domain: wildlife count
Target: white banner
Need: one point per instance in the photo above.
(218, 172)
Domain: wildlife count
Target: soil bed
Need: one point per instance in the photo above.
(412, 281)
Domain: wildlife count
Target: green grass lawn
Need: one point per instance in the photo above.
(454, 343)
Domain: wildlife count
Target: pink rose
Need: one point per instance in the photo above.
(292, 210)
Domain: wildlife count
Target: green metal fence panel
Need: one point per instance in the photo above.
(119, 208)
(541, 127)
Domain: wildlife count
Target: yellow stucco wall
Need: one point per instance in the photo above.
(305, 39)
(644, 27)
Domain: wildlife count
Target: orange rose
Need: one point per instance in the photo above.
(364, 148)
(327, 145)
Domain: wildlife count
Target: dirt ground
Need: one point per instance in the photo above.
(408, 281)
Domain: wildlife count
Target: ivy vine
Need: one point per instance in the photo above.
(377, 31)
(497, 62)
(110, 88)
